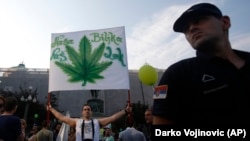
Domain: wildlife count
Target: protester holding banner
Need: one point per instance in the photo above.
(86, 127)
(87, 60)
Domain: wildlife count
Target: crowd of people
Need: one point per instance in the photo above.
(87, 128)
(211, 88)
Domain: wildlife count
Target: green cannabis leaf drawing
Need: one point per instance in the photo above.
(85, 65)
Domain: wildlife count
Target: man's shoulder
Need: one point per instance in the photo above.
(138, 131)
(49, 131)
(78, 120)
(182, 66)
(10, 119)
(38, 133)
(243, 54)
(186, 61)
(124, 131)
(46, 131)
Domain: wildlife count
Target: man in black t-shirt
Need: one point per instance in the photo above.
(214, 86)
(10, 125)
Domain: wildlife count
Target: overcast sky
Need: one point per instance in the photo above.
(26, 27)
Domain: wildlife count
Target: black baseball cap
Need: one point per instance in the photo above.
(196, 10)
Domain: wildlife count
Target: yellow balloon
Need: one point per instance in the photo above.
(148, 75)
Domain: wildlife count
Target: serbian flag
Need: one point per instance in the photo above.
(90, 59)
(160, 92)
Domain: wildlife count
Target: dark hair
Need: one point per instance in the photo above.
(10, 103)
(149, 109)
(45, 123)
(87, 104)
(129, 121)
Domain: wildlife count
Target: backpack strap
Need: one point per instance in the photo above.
(93, 129)
(82, 130)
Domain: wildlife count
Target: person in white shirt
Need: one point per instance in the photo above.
(87, 128)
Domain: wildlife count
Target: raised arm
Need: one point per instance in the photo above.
(70, 121)
(105, 121)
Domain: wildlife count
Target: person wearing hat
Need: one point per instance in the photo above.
(108, 133)
(211, 88)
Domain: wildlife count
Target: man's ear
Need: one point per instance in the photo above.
(226, 22)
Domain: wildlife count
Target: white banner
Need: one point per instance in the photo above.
(86, 60)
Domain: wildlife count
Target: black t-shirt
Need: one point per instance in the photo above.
(10, 127)
(206, 89)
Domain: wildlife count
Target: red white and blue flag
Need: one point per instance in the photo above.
(160, 92)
